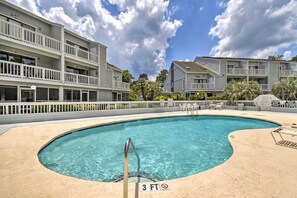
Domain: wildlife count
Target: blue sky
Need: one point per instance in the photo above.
(145, 36)
(192, 38)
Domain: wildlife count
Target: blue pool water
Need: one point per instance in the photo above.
(168, 147)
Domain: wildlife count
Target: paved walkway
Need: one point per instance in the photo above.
(257, 168)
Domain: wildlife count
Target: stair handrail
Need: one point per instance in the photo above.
(126, 162)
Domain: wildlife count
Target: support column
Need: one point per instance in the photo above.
(62, 69)
(61, 94)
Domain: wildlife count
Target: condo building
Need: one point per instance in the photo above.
(42, 61)
(212, 74)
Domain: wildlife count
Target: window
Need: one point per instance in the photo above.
(200, 80)
(8, 93)
(3, 56)
(53, 94)
(76, 95)
(28, 61)
(41, 94)
(125, 96)
(17, 58)
(67, 95)
(114, 96)
(77, 70)
(93, 96)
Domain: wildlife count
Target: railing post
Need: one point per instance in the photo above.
(43, 74)
(22, 71)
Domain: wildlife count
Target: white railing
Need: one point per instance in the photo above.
(264, 86)
(55, 107)
(28, 36)
(258, 72)
(121, 85)
(236, 71)
(75, 51)
(200, 86)
(284, 104)
(288, 73)
(19, 70)
(81, 79)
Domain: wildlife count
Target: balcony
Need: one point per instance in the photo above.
(22, 71)
(200, 86)
(237, 71)
(121, 85)
(27, 36)
(288, 73)
(81, 79)
(258, 72)
(76, 52)
(18, 70)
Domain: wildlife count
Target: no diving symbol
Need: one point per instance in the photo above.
(164, 186)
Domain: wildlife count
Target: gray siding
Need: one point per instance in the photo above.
(40, 25)
(212, 64)
(179, 76)
(273, 74)
(105, 95)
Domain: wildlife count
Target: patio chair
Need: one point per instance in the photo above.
(219, 106)
(284, 142)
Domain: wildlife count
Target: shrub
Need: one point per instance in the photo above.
(160, 97)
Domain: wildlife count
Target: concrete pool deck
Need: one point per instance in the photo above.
(257, 168)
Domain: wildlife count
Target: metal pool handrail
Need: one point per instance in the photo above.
(126, 171)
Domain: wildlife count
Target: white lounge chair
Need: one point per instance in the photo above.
(284, 142)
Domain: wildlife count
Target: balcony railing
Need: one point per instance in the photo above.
(25, 35)
(200, 86)
(75, 51)
(258, 72)
(19, 70)
(121, 85)
(80, 79)
(288, 73)
(264, 87)
(237, 71)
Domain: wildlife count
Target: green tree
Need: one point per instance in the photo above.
(294, 58)
(285, 89)
(278, 57)
(242, 90)
(144, 76)
(127, 77)
(152, 90)
(162, 77)
(140, 86)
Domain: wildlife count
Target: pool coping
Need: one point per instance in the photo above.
(178, 187)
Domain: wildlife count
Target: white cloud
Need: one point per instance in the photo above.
(221, 4)
(287, 55)
(201, 8)
(137, 37)
(257, 29)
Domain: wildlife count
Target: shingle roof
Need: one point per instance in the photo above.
(192, 67)
(231, 58)
(113, 67)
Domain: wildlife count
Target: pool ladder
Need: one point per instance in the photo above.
(126, 162)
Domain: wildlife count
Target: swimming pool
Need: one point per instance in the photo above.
(168, 148)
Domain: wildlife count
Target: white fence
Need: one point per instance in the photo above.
(56, 107)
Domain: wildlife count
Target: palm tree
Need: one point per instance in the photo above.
(285, 89)
(241, 90)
